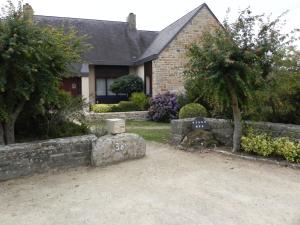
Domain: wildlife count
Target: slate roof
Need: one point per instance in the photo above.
(115, 44)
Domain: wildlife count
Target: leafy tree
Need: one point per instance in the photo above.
(33, 60)
(235, 60)
(127, 84)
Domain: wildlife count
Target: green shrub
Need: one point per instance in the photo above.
(183, 100)
(140, 99)
(192, 110)
(67, 129)
(265, 145)
(125, 106)
(127, 84)
(260, 144)
(288, 149)
(103, 108)
(55, 119)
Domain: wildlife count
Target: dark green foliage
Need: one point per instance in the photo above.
(235, 61)
(192, 110)
(127, 85)
(32, 61)
(183, 100)
(195, 92)
(164, 107)
(140, 99)
(125, 106)
(279, 101)
(63, 117)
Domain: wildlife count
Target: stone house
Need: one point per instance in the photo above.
(118, 49)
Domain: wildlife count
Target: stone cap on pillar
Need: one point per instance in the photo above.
(115, 126)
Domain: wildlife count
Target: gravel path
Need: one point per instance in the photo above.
(168, 187)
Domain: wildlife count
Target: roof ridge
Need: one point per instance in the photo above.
(151, 56)
(198, 8)
(76, 18)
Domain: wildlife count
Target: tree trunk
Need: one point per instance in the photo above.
(237, 132)
(2, 141)
(9, 130)
(9, 126)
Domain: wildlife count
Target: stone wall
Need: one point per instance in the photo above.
(25, 159)
(136, 115)
(223, 129)
(168, 68)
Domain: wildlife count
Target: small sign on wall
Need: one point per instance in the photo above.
(200, 124)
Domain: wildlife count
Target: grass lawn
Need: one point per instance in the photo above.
(149, 130)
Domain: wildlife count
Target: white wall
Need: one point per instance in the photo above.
(140, 71)
(85, 89)
(92, 85)
(137, 70)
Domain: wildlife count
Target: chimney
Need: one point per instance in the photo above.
(131, 20)
(28, 12)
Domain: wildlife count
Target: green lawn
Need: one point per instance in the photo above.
(135, 123)
(149, 130)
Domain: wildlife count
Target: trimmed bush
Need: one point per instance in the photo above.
(192, 110)
(102, 108)
(125, 106)
(140, 99)
(163, 107)
(127, 84)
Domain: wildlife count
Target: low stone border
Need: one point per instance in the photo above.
(24, 159)
(135, 115)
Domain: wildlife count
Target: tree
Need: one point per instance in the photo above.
(33, 60)
(234, 60)
(127, 85)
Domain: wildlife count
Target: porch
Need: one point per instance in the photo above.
(95, 87)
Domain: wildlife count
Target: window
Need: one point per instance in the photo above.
(100, 87)
(109, 83)
(103, 87)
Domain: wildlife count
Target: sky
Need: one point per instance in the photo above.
(157, 14)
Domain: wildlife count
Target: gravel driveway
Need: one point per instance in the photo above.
(167, 187)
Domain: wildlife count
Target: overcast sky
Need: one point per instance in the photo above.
(157, 14)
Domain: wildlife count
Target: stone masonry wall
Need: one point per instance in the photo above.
(223, 129)
(169, 67)
(136, 115)
(25, 159)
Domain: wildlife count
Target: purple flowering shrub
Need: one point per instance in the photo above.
(164, 107)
